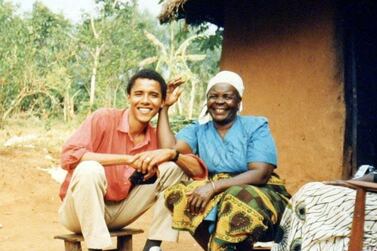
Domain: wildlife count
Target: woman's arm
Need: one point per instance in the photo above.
(258, 174)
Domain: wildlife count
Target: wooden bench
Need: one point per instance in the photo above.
(72, 242)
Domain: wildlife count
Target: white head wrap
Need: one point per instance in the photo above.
(227, 77)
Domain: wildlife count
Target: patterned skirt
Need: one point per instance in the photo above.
(244, 212)
(320, 218)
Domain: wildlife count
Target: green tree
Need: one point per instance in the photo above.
(112, 43)
(52, 67)
(36, 45)
(173, 60)
(186, 53)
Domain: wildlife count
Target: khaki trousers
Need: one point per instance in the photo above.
(85, 210)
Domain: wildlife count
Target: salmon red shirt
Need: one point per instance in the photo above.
(106, 131)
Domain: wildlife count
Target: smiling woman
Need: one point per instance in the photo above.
(223, 103)
(243, 200)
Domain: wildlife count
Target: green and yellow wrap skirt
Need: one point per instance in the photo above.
(244, 212)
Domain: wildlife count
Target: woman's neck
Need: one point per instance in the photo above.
(222, 129)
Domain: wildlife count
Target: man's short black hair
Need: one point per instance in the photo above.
(148, 74)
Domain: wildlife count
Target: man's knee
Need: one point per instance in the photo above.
(170, 174)
(90, 171)
(170, 169)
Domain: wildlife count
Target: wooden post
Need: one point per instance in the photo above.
(357, 230)
(72, 245)
(124, 243)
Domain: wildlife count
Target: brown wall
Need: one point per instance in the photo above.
(289, 65)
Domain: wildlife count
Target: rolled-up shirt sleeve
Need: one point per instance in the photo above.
(85, 139)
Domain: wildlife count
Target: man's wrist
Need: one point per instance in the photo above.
(176, 156)
(127, 159)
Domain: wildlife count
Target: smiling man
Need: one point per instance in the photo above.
(104, 152)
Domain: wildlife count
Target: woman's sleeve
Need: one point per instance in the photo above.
(189, 134)
(261, 145)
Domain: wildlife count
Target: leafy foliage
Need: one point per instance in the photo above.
(53, 68)
(178, 122)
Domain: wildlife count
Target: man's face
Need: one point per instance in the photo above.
(223, 103)
(145, 99)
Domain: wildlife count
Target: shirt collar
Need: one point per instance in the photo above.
(124, 126)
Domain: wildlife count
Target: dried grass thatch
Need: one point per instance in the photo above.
(171, 9)
(193, 11)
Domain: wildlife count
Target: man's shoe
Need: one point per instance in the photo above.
(152, 245)
(155, 249)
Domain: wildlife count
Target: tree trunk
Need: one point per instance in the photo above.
(15, 103)
(93, 78)
(192, 98)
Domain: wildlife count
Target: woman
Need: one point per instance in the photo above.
(243, 200)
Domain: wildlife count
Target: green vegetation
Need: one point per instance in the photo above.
(54, 69)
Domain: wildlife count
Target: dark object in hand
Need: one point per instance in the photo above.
(137, 178)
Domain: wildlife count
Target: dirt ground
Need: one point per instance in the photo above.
(29, 196)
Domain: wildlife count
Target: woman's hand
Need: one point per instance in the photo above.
(173, 91)
(199, 198)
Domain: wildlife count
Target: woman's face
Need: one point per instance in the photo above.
(223, 102)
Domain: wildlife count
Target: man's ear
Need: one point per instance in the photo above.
(162, 104)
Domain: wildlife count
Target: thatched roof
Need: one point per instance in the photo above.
(193, 11)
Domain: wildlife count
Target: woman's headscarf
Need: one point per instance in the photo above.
(227, 77)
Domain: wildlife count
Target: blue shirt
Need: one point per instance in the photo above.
(248, 140)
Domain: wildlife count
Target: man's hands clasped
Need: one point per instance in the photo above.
(147, 162)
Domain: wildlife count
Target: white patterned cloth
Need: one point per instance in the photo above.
(320, 218)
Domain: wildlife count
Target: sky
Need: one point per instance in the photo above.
(72, 9)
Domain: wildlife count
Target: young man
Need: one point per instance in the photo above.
(105, 151)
